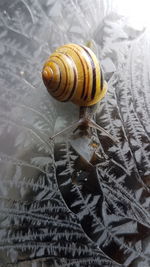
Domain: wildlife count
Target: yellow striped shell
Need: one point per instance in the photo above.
(72, 73)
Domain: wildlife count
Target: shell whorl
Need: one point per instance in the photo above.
(73, 73)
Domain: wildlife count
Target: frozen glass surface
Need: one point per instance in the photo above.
(55, 210)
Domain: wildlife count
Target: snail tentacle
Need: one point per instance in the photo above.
(73, 73)
(84, 124)
(94, 125)
(74, 124)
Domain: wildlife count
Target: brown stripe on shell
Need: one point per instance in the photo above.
(59, 76)
(74, 84)
(60, 72)
(94, 73)
(75, 81)
(78, 53)
(102, 79)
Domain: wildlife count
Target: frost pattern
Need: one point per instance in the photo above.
(45, 218)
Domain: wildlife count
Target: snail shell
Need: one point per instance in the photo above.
(73, 73)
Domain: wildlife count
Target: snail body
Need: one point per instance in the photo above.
(73, 73)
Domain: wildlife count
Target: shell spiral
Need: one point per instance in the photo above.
(73, 73)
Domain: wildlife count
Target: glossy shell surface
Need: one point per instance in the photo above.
(73, 73)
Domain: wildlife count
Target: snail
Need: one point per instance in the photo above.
(73, 73)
